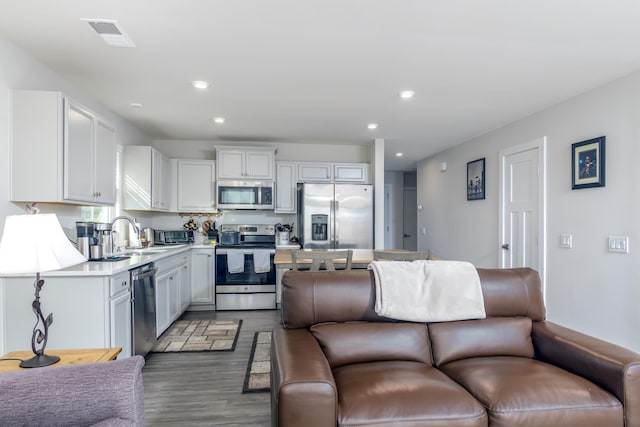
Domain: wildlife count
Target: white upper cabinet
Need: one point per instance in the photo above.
(160, 180)
(333, 172)
(286, 183)
(60, 151)
(351, 172)
(196, 185)
(146, 178)
(245, 163)
(105, 162)
(315, 172)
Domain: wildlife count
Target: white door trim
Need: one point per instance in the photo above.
(388, 218)
(541, 145)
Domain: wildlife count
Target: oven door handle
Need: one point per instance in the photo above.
(245, 251)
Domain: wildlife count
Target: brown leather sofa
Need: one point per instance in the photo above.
(336, 362)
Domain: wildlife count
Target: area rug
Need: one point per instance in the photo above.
(199, 335)
(258, 378)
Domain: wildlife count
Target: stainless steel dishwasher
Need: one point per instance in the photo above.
(144, 308)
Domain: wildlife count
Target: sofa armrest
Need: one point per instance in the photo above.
(614, 368)
(303, 390)
(110, 393)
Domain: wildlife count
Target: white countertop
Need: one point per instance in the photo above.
(288, 246)
(109, 268)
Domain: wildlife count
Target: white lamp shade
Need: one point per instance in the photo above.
(34, 244)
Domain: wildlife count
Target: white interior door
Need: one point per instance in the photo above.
(522, 207)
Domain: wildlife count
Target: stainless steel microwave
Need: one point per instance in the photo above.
(244, 194)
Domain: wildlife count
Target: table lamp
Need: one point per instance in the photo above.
(35, 244)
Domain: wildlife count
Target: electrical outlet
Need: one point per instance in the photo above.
(566, 241)
(619, 244)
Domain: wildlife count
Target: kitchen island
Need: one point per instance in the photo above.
(91, 302)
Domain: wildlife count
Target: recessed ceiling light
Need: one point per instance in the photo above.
(218, 120)
(372, 126)
(136, 105)
(200, 84)
(398, 154)
(407, 94)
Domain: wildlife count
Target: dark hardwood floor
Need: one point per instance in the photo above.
(205, 388)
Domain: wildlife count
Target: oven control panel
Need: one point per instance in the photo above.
(245, 229)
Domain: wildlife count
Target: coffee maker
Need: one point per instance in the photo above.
(85, 232)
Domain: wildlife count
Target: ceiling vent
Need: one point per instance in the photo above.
(111, 32)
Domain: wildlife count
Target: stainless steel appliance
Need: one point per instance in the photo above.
(148, 234)
(244, 194)
(242, 281)
(143, 283)
(335, 216)
(172, 237)
(85, 234)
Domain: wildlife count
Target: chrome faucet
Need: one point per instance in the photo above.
(128, 218)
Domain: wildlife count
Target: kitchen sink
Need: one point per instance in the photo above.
(112, 258)
(151, 250)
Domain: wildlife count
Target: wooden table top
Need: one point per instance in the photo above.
(67, 357)
(361, 257)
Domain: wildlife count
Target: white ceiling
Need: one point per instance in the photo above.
(320, 70)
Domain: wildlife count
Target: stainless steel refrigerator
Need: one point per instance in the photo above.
(335, 216)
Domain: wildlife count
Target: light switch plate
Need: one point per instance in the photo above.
(619, 244)
(566, 241)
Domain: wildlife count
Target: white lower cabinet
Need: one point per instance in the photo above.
(185, 288)
(85, 312)
(203, 277)
(169, 291)
(162, 303)
(120, 314)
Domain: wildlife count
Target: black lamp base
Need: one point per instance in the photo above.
(39, 360)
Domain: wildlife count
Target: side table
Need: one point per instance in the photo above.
(67, 357)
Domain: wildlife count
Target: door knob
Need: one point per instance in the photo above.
(406, 235)
(506, 247)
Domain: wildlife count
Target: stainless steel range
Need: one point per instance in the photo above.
(245, 273)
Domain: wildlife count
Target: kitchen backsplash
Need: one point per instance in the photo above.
(172, 221)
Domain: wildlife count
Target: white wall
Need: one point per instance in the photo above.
(21, 71)
(588, 288)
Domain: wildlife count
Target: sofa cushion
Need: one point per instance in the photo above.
(504, 336)
(521, 391)
(403, 393)
(357, 342)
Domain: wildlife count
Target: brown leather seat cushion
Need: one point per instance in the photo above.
(403, 393)
(497, 336)
(519, 391)
(359, 342)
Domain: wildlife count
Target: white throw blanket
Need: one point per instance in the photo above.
(235, 261)
(428, 291)
(262, 260)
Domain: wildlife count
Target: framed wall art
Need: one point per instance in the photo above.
(475, 180)
(587, 163)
